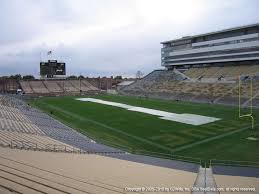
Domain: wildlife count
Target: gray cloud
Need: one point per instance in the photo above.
(107, 37)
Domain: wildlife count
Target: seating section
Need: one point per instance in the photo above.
(39, 87)
(85, 86)
(76, 84)
(22, 126)
(53, 86)
(26, 87)
(31, 141)
(159, 85)
(11, 125)
(30, 172)
(154, 77)
(56, 87)
(94, 82)
(222, 72)
(82, 85)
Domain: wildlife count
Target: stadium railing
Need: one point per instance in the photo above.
(23, 144)
(170, 156)
(48, 147)
(216, 162)
(55, 147)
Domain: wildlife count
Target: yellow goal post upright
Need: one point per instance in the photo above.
(250, 114)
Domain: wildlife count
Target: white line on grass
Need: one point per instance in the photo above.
(108, 127)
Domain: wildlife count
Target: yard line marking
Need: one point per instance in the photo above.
(108, 127)
(209, 139)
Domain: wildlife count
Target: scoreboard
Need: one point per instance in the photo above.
(52, 68)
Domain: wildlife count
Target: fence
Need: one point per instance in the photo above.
(63, 148)
(170, 156)
(216, 162)
(53, 148)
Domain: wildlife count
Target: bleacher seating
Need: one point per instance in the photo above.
(30, 172)
(52, 86)
(94, 82)
(85, 86)
(32, 141)
(69, 87)
(57, 87)
(38, 87)
(226, 71)
(157, 76)
(159, 85)
(11, 125)
(26, 87)
(23, 126)
(75, 84)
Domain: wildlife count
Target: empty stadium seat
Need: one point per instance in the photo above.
(225, 71)
(25, 127)
(160, 84)
(55, 87)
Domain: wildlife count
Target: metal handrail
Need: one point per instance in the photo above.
(234, 163)
(23, 144)
(55, 146)
(171, 156)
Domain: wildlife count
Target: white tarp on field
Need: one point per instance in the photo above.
(191, 119)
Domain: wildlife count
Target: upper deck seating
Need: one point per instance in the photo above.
(225, 72)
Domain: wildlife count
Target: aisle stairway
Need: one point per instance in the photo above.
(205, 182)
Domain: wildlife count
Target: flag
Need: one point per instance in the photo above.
(49, 52)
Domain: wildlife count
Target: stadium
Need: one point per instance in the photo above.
(190, 126)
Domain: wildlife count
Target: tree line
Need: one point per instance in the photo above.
(18, 77)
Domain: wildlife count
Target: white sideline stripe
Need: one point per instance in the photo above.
(186, 118)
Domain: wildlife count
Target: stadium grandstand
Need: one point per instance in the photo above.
(100, 143)
(41, 155)
(8, 85)
(206, 68)
(57, 87)
(24, 131)
(225, 47)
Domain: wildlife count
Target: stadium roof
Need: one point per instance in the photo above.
(210, 33)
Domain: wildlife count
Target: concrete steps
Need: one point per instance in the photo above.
(205, 180)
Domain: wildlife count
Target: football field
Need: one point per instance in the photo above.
(142, 129)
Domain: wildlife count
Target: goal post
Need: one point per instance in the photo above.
(250, 114)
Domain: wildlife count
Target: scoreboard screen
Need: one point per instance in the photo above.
(52, 67)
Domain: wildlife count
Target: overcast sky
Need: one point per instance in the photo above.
(107, 37)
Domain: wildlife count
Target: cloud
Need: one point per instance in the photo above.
(107, 37)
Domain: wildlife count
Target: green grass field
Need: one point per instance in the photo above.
(224, 139)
